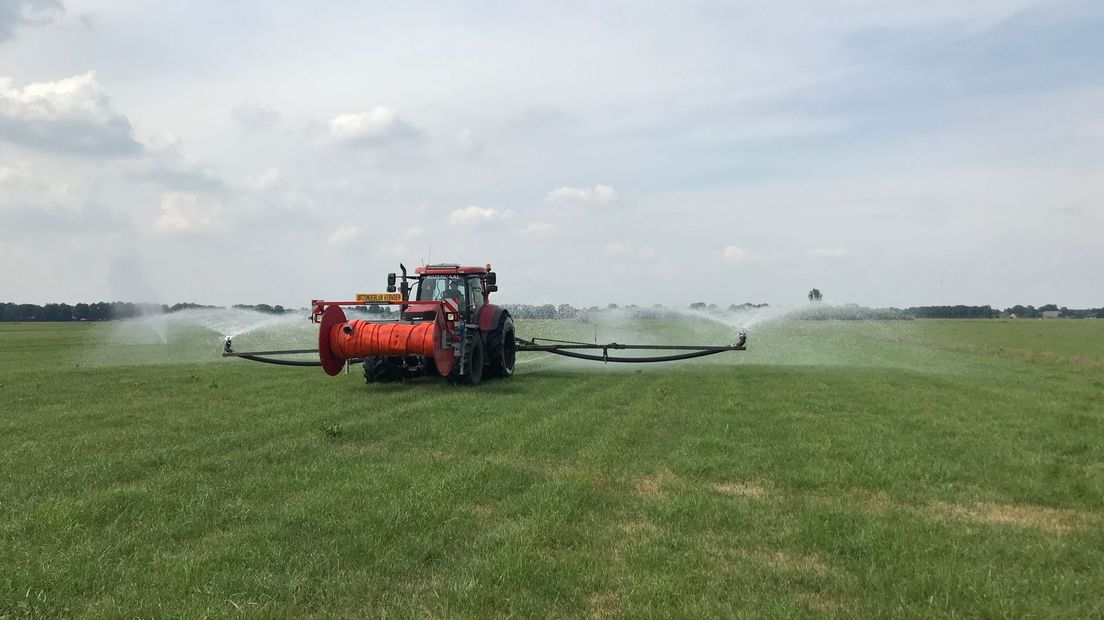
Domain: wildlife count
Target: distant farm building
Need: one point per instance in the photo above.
(1051, 314)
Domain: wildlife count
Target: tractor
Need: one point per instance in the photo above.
(479, 335)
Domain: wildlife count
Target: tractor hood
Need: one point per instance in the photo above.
(421, 311)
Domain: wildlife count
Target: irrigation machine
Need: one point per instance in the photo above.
(447, 326)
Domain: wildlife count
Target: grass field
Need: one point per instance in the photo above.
(947, 468)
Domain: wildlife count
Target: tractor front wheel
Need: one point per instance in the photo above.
(379, 369)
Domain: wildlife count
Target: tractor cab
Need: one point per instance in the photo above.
(468, 287)
(460, 290)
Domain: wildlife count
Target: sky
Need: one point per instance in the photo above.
(887, 153)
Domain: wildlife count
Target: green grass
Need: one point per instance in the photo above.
(891, 469)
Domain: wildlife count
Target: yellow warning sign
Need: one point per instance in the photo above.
(379, 297)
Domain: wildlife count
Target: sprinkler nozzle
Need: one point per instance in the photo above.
(228, 348)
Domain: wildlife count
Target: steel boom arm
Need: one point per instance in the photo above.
(570, 349)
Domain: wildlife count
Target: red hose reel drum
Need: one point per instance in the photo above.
(340, 340)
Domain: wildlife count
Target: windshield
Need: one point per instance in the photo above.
(434, 288)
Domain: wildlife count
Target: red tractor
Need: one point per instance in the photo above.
(448, 327)
(476, 337)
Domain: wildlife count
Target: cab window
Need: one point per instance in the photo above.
(435, 288)
(475, 294)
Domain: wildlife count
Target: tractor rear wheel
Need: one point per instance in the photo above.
(379, 369)
(501, 349)
(473, 362)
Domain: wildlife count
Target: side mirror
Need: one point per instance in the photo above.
(492, 278)
(390, 279)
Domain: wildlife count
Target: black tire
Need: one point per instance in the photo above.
(429, 367)
(501, 349)
(380, 370)
(473, 362)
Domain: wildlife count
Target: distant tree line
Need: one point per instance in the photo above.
(115, 310)
(987, 312)
(99, 311)
(952, 312)
(854, 312)
(107, 311)
(373, 309)
(1031, 312)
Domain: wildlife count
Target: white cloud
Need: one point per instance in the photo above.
(630, 250)
(827, 252)
(267, 179)
(474, 215)
(469, 144)
(14, 13)
(402, 247)
(739, 254)
(343, 235)
(71, 115)
(21, 186)
(735, 253)
(187, 213)
(18, 176)
(599, 194)
(254, 116)
(178, 174)
(391, 251)
(376, 126)
(164, 163)
(540, 117)
(163, 143)
(536, 228)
